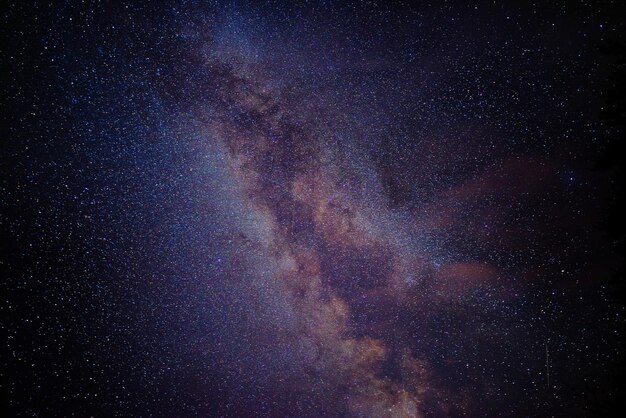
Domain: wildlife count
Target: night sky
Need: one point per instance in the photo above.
(316, 209)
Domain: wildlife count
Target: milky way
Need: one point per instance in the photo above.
(327, 210)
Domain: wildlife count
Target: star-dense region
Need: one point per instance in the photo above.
(307, 209)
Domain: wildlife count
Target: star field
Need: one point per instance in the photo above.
(326, 209)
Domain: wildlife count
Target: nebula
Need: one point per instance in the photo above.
(316, 210)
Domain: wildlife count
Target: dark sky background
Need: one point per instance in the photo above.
(327, 209)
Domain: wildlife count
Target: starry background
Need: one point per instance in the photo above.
(311, 209)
